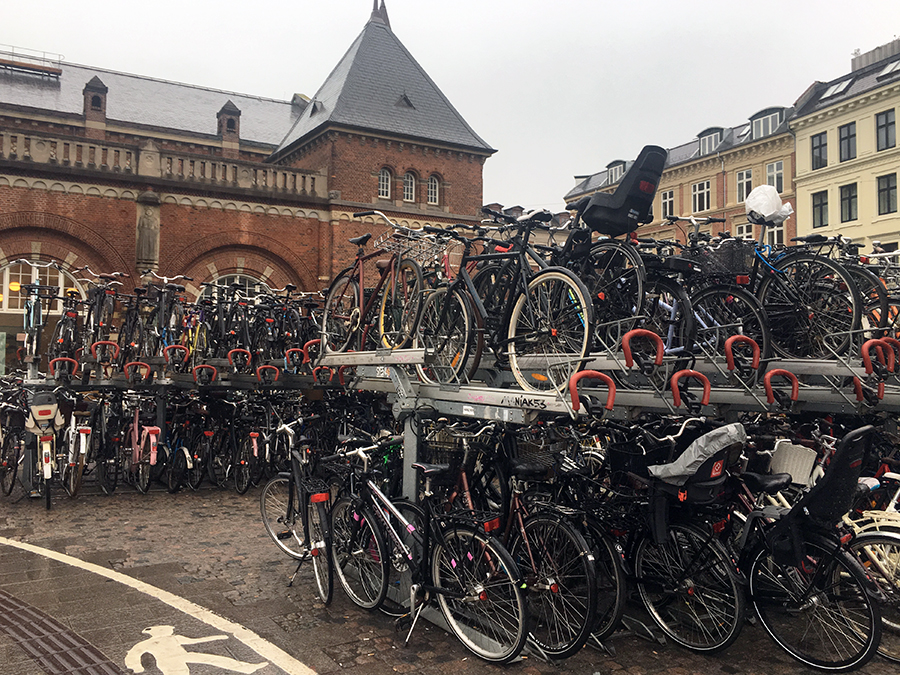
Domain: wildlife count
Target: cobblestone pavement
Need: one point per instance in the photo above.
(210, 548)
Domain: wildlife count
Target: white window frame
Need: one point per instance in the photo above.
(614, 173)
(700, 197)
(743, 230)
(775, 175)
(409, 187)
(667, 203)
(384, 183)
(14, 302)
(247, 282)
(744, 181)
(709, 143)
(434, 190)
(775, 235)
(766, 125)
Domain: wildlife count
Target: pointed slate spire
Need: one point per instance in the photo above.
(384, 15)
(379, 86)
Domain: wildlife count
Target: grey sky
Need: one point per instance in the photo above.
(558, 87)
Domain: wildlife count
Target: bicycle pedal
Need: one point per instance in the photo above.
(286, 534)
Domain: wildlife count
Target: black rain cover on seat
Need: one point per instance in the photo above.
(629, 206)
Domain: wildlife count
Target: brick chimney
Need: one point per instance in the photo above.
(95, 109)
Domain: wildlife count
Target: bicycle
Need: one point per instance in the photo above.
(450, 559)
(162, 334)
(139, 441)
(349, 320)
(295, 508)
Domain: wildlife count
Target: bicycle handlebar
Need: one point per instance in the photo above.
(167, 280)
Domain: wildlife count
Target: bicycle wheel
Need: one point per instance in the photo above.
(108, 468)
(820, 612)
(131, 340)
(397, 602)
(689, 586)
(721, 312)
(875, 300)
(263, 341)
(401, 305)
(175, 476)
(199, 344)
(73, 472)
(614, 275)
(144, 469)
(667, 312)
(320, 550)
(9, 461)
(550, 331)
(879, 553)
(62, 344)
(446, 338)
(813, 305)
(557, 564)
(199, 458)
(278, 519)
(242, 465)
(611, 586)
(359, 554)
(483, 601)
(218, 464)
(342, 314)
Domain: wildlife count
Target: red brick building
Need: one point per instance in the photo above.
(124, 172)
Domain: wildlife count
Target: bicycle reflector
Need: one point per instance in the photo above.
(647, 187)
(320, 497)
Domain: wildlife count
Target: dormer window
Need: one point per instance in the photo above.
(614, 172)
(96, 103)
(710, 141)
(230, 125)
(890, 69)
(838, 88)
(229, 120)
(763, 126)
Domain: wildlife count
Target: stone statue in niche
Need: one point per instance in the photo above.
(147, 247)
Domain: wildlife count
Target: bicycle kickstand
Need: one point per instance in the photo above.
(296, 571)
(417, 611)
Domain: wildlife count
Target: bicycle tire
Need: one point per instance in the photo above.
(557, 564)
(485, 605)
(200, 346)
(401, 305)
(723, 311)
(813, 305)
(73, 472)
(875, 300)
(611, 584)
(667, 312)
(175, 476)
(9, 461)
(879, 553)
(447, 340)
(279, 521)
(615, 277)
(550, 331)
(320, 551)
(62, 344)
(397, 601)
(242, 465)
(359, 554)
(131, 339)
(107, 466)
(839, 617)
(690, 588)
(144, 468)
(341, 314)
(199, 458)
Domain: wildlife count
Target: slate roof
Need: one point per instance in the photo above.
(145, 101)
(732, 137)
(859, 82)
(379, 86)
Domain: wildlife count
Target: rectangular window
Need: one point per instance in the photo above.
(700, 196)
(848, 203)
(819, 144)
(775, 235)
(709, 143)
(775, 175)
(766, 125)
(847, 137)
(743, 231)
(744, 184)
(668, 203)
(887, 194)
(820, 209)
(886, 130)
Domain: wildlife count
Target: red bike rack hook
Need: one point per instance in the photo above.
(63, 359)
(676, 394)
(199, 369)
(591, 375)
(261, 374)
(642, 332)
(882, 346)
(729, 350)
(780, 372)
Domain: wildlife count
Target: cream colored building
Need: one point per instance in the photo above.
(848, 159)
(711, 175)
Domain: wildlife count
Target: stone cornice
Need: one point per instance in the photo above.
(823, 114)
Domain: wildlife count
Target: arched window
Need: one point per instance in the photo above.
(13, 300)
(384, 184)
(434, 194)
(229, 124)
(248, 285)
(409, 188)
(96, 102)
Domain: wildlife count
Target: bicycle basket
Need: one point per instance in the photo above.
(731, 258)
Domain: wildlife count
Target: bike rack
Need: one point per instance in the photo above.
(267, 374)
(242, 355)
(138, 372)
(204, 374)
(168, 351)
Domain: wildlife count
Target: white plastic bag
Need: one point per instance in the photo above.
(766, 201)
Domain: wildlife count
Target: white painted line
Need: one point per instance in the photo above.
(264, 648)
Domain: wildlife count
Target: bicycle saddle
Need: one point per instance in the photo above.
(758, 482)
(361, 241)
(430, 469)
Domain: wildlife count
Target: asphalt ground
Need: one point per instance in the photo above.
(190, 584)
